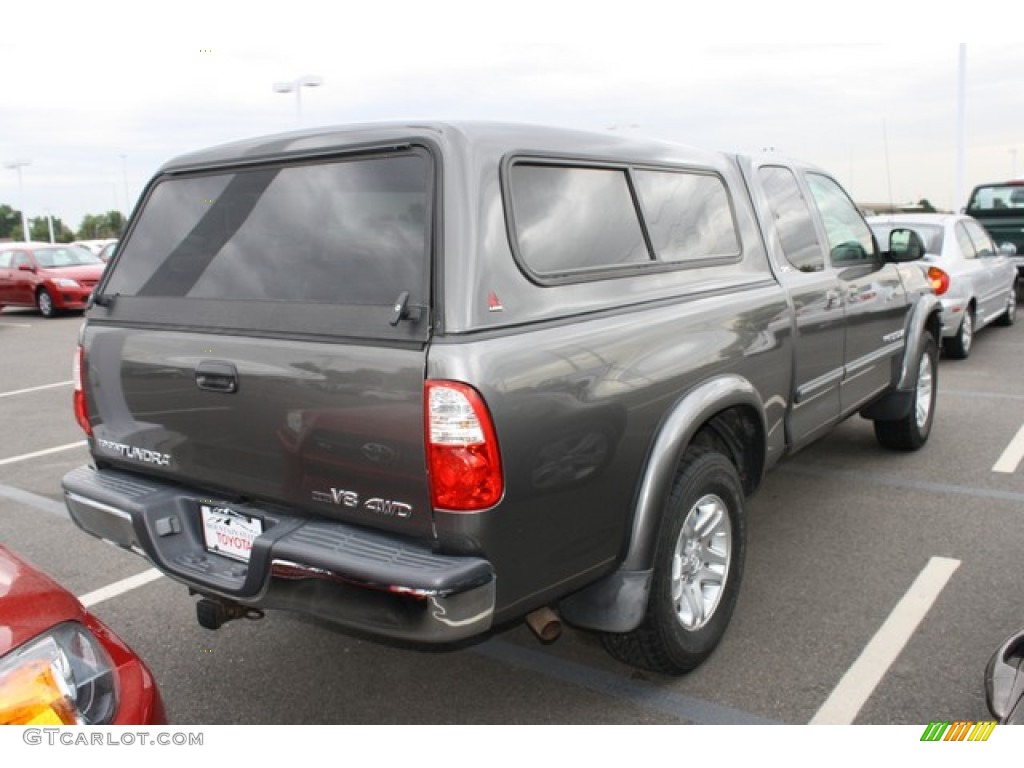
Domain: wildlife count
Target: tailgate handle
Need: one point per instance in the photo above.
(215, 376)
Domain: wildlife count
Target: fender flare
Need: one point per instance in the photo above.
(922, 319)
(617, 602)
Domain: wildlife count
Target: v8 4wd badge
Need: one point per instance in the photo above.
(344, 498)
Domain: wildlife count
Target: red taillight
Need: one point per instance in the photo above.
(939, 280)
(462, 449)
(81, 411)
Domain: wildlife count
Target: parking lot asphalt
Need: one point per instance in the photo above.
(877, 585)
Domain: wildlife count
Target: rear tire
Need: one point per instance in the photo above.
(44, 302)
(959, 347)
(911, 432)
(698, 564)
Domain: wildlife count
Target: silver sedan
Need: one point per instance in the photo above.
(974, 281)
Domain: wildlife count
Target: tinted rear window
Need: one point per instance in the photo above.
(352, 232)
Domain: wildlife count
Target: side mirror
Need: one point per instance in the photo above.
(905, 245)
(1004, 680)
(1008, 249)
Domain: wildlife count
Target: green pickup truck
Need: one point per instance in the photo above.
(999, 207)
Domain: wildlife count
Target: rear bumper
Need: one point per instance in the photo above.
(357, 578)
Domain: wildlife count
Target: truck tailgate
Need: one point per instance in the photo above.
(332, 429)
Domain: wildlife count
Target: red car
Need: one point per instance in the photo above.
(49, 277)
(59, 665)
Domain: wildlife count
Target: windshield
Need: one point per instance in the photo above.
(997, 197)
(69, 256)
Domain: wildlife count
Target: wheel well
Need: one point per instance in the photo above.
(738, 434)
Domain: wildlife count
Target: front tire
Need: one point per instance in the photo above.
(698, 564)
(911, 432)
(44, 302)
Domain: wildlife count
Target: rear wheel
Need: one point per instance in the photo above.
(959, 347)
(911, 432)
(697, 569)
(44, 301)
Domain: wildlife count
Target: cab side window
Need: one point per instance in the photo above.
(849, 237)
(793, 219)
(5, 259)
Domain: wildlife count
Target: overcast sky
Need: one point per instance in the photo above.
(96, 95)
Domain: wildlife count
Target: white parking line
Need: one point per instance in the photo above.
(863, 676)
(119, 587)
(45, 452)
(14, 392)
(1012, 456)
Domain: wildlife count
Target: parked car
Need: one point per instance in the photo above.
(94, 246)
(59, 664)
(974, 281)
(1004, 680)
(49, 277)
(107, 251)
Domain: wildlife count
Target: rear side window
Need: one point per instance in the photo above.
(982, 242)
(688, 215)
(579, 222)
(351, 232)
(573, 219)
(966, 244)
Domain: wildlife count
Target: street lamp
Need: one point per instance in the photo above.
(295, 86)
(18, 165)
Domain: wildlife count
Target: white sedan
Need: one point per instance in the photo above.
(974, 281)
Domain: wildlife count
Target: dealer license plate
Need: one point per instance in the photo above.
(229, 533)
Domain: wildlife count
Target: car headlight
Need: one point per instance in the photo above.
(65, 282)
(62, 677)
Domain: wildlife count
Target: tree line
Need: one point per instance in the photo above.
(99, 226)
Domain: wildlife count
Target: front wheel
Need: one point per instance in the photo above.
(44, 302)
(911, 432)
(697, 569)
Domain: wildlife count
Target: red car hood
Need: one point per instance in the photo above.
(30, 602)
(81, 272)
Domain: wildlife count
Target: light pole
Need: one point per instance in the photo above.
(124, 177)
(295, 86)
(18, 165)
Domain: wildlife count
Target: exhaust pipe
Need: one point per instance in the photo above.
(546, 624)
(213, 614)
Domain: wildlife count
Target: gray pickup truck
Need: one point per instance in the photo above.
(425, 380)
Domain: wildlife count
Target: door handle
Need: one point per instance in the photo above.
(216, 376)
